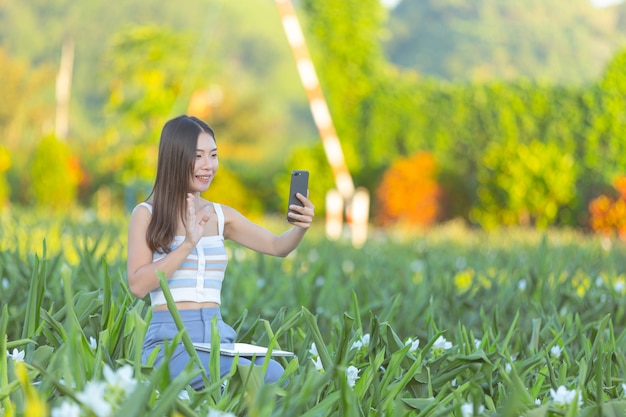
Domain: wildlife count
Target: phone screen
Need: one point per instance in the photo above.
(299, 184)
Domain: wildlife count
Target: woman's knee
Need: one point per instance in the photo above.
(273, 372)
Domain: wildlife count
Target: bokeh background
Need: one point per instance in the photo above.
(488, 112)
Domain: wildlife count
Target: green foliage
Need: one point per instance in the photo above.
(488, 40)
(524, 184)
(55, 174)
(5, 164)
(606, 145)
(422, 343)
(346, 69)
(151, 60)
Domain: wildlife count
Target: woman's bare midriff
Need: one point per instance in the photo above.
(188, 305)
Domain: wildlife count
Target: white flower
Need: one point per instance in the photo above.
(319, 281)
(467, 409)
(599, 281)
(624, 388)
(122, 378)
(442, 343)
(508, 367)
(5, 283)
(218, 413)
(92, 343)
(453, 382)
(556, 351)
(17, 355)
(183, 395)
(66, 409)
(363, 341)
(477, 343)
(347, 266)
(619, 286)
(415, 343)
(537, 401)
(313, 349)
(563, 396)
(318, 364)
(417, 265)
(521, 285)
(93, 397)
(352, 374)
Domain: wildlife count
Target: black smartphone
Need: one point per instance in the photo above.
(299, 184)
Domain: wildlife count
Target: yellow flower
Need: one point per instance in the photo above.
(463, 279)
(35, 405)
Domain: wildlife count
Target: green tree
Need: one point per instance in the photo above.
(5, 164)
(524, 184)
(55, 175)
(605, 151)
(344, 38)
(485, 40)
(26, 109)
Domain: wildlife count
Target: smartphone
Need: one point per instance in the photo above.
(299, 184)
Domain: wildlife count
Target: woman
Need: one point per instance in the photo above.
(181, 234)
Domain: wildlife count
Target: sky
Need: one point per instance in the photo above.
(597, 3)
(604, 3)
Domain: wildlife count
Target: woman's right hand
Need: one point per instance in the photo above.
(194, 229)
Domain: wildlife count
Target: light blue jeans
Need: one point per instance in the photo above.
(198, 325)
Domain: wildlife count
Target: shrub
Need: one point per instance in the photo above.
(608, 214)
(55, 174)
(5, 164)
(524, 184)
(409, 192)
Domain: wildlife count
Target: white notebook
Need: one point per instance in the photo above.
(242, 349)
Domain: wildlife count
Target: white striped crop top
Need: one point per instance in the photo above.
(199, 278)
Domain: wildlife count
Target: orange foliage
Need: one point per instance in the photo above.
(608, 215)
(409, 192)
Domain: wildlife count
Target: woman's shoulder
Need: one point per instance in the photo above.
(144, 206)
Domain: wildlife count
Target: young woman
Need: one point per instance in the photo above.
(181, 234)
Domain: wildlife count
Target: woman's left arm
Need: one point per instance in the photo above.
(241, 230)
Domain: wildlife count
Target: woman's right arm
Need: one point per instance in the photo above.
(142, 277)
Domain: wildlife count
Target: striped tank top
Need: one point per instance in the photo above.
(199, 278)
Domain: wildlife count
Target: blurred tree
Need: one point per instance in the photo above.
(605, 151)
(524, 184)
(409, 194)
(151, 83)
(235, 48)
(484, 40)
(607, 212)
(5, 164)
(144, 84)
(348, 69)
(26, 110)
(55, 175)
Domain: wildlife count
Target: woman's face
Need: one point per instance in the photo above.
(205, 164)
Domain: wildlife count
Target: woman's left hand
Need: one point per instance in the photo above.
(303, 216)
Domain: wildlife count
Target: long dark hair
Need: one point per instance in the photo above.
(177, 152)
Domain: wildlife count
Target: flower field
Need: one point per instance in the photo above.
(454, 322)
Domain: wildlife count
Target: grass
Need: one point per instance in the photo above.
(510, 323)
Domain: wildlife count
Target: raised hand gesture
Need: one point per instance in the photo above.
(194, 228)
